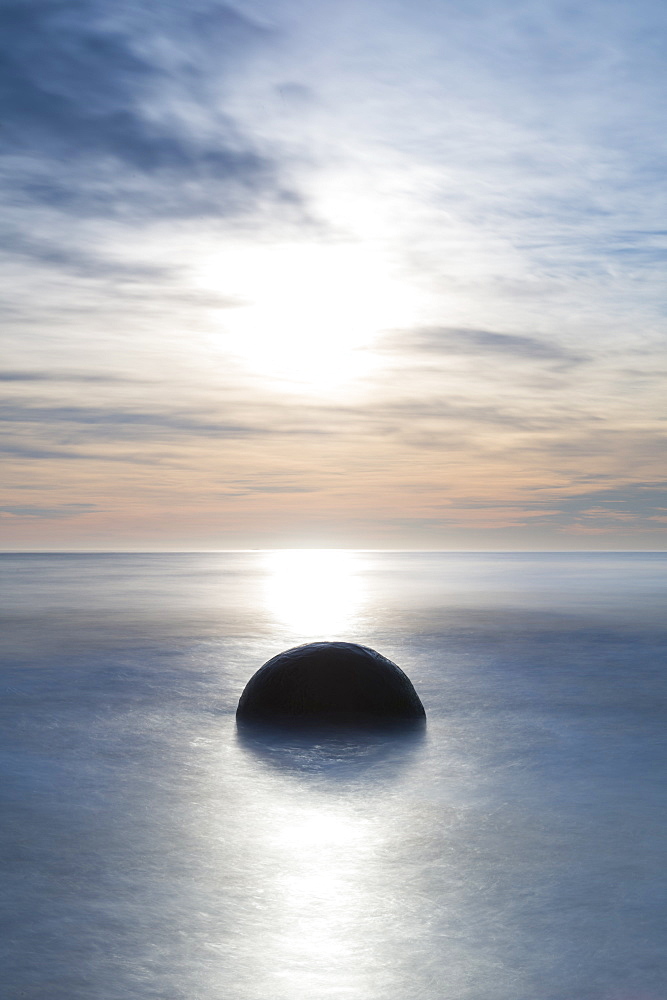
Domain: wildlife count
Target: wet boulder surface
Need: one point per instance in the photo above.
(333, 682)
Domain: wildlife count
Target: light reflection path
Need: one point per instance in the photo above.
(326, 921)
(321, 852)
(330, 910)
(324, 929)
(315, 593)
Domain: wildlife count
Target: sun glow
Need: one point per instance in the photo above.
(308, 314)
(314, 593)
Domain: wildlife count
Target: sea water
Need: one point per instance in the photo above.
(515, 850)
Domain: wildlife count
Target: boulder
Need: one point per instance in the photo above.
(333, 682)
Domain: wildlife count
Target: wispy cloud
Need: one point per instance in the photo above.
(448, 341)
(80, 261)
(65, 376)
(103, 114)
(118, 423)
(65, 510)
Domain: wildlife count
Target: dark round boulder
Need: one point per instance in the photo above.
(330, 681)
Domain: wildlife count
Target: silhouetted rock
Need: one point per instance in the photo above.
(333, 682)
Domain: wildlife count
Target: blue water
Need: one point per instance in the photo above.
(516, 851)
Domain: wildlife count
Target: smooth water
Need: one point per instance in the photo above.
(515, 851)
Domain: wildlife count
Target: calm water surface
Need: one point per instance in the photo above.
(515, 851)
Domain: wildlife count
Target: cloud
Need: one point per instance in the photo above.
(280, 489)
(61, 511)
(446, 411)
(83, 262)
(445, 341)
(64, 376)
(57, 432)
(29, 452)
(271, 490)
(432, 423)
(123, 423)
(635, 507)
(625, 507)
(633, 502)
(114, 114)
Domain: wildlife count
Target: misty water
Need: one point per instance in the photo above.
(515, 850)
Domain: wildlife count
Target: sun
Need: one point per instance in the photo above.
(308, 314)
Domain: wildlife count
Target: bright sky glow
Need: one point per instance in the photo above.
(307, 312)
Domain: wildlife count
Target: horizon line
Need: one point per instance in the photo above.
(166, 552)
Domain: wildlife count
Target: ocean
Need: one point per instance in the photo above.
(514, 850)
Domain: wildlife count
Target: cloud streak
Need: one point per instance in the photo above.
(444, 341)
(93, 378)
(50, 513)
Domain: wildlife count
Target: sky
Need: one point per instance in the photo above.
(370, 274)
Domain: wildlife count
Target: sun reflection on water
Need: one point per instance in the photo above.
(326, 908)
(318, 830)
(314, 593)
(321, 854)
